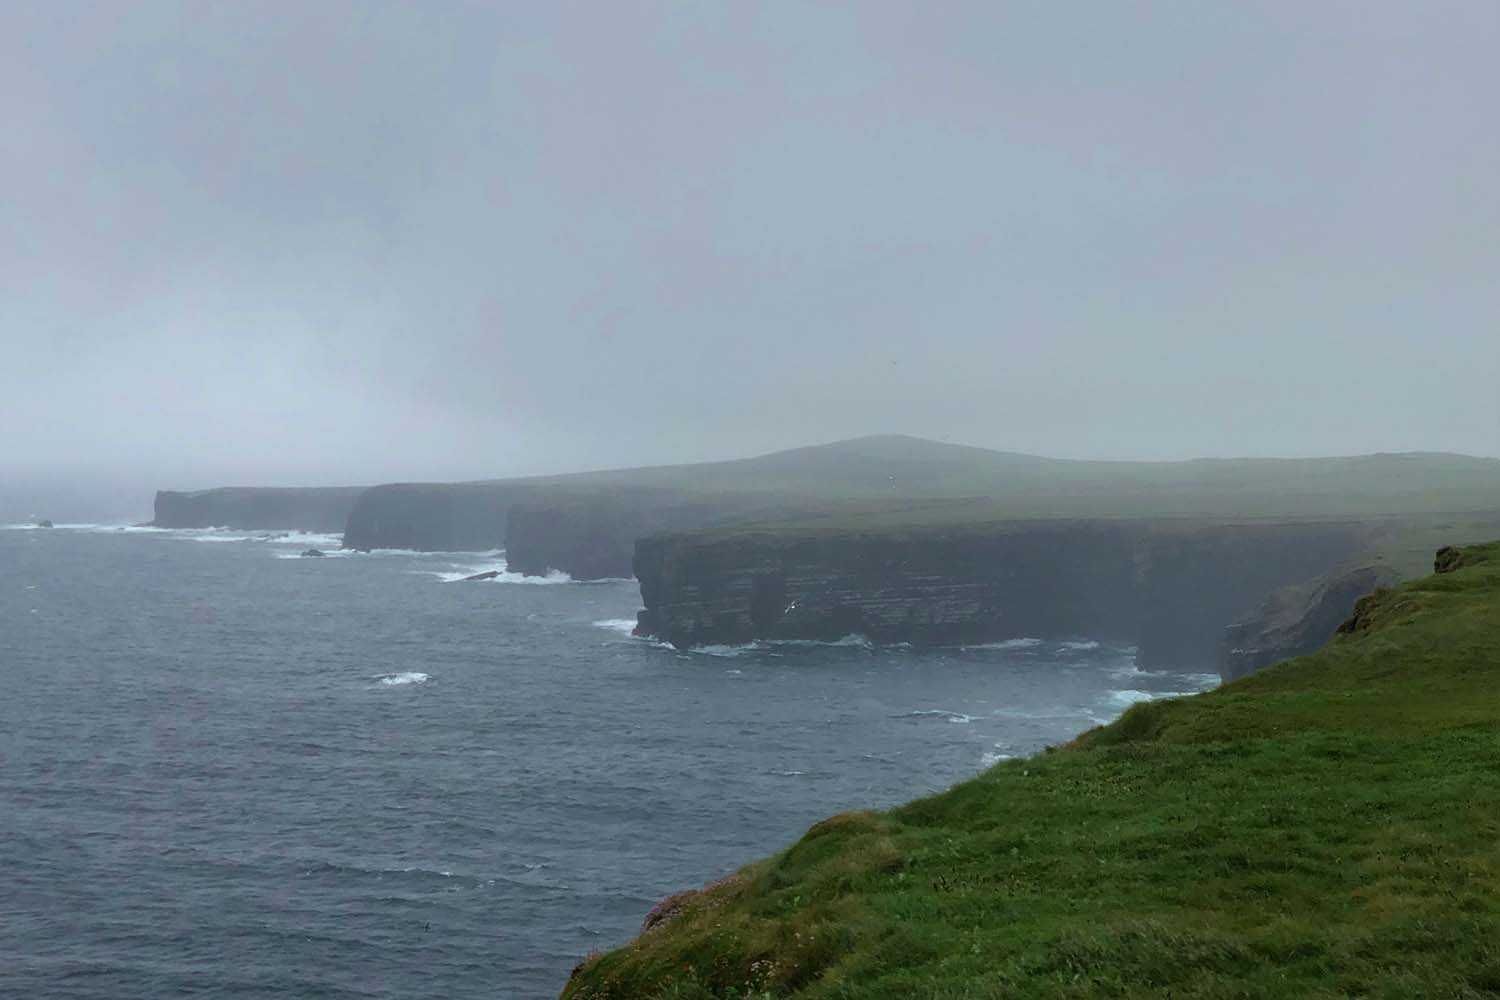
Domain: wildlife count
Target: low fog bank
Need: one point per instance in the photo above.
(80, 502)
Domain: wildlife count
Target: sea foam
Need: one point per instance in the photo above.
(1022, 643)
(462, 573)
(406, 677)
(936, 713)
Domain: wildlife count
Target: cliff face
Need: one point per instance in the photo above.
(323, 509)
(1297, 620)
(593, 536)
(587, 540)
(1169, 590)
(588, 535)
(433, 517)
(588, 532)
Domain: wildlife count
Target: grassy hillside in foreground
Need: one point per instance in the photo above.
(1330, 827)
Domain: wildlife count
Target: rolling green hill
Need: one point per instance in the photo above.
(1327, 828)
(895, 483)
(876, 479)
(896, 466)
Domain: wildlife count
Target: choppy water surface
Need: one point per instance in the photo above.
(229, 771)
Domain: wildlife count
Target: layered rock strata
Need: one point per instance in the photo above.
(1168, 589)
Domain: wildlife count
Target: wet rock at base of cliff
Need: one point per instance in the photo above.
(314, 554)
(487, 575)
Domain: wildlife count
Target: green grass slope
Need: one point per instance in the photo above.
(1327, 828)
(876, 476)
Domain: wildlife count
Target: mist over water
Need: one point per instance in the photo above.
(229, 770)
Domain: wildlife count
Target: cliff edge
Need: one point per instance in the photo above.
(1316, 829)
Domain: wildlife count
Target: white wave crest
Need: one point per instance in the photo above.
(399, 553)
(1125, 697)
(1022, 643)
(622, 625)
(501, 569)
(992, 757)
(938, 713)
(721, 649)
(272, 536)
(1202, 681)
(311, 539)
(852, 641)
(1079, 645)
(406, 677)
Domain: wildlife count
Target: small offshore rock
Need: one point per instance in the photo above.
(314, 554)
(44, 523)
(489, 575)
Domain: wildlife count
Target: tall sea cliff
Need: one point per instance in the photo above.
(1169, 589)
(314, 508)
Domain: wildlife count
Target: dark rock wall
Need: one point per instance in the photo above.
(588, 532)
(1170, 590)
(1296, 621)
(1198, 582)
(323, 509)
(431, 517)
(938, 589)
(586, 540)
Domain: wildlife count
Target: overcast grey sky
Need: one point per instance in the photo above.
(310, 242)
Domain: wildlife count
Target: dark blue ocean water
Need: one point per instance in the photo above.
(226, 771)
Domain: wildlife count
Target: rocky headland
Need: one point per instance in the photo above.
(588, 532)
(317, 508)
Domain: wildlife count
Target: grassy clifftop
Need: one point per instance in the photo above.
(1330, 827)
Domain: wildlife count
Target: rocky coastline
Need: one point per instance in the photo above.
(316, 508)
(1171, 590)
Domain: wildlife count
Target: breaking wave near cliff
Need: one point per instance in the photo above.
(494, 571)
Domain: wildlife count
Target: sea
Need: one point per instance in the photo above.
(230, 770)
